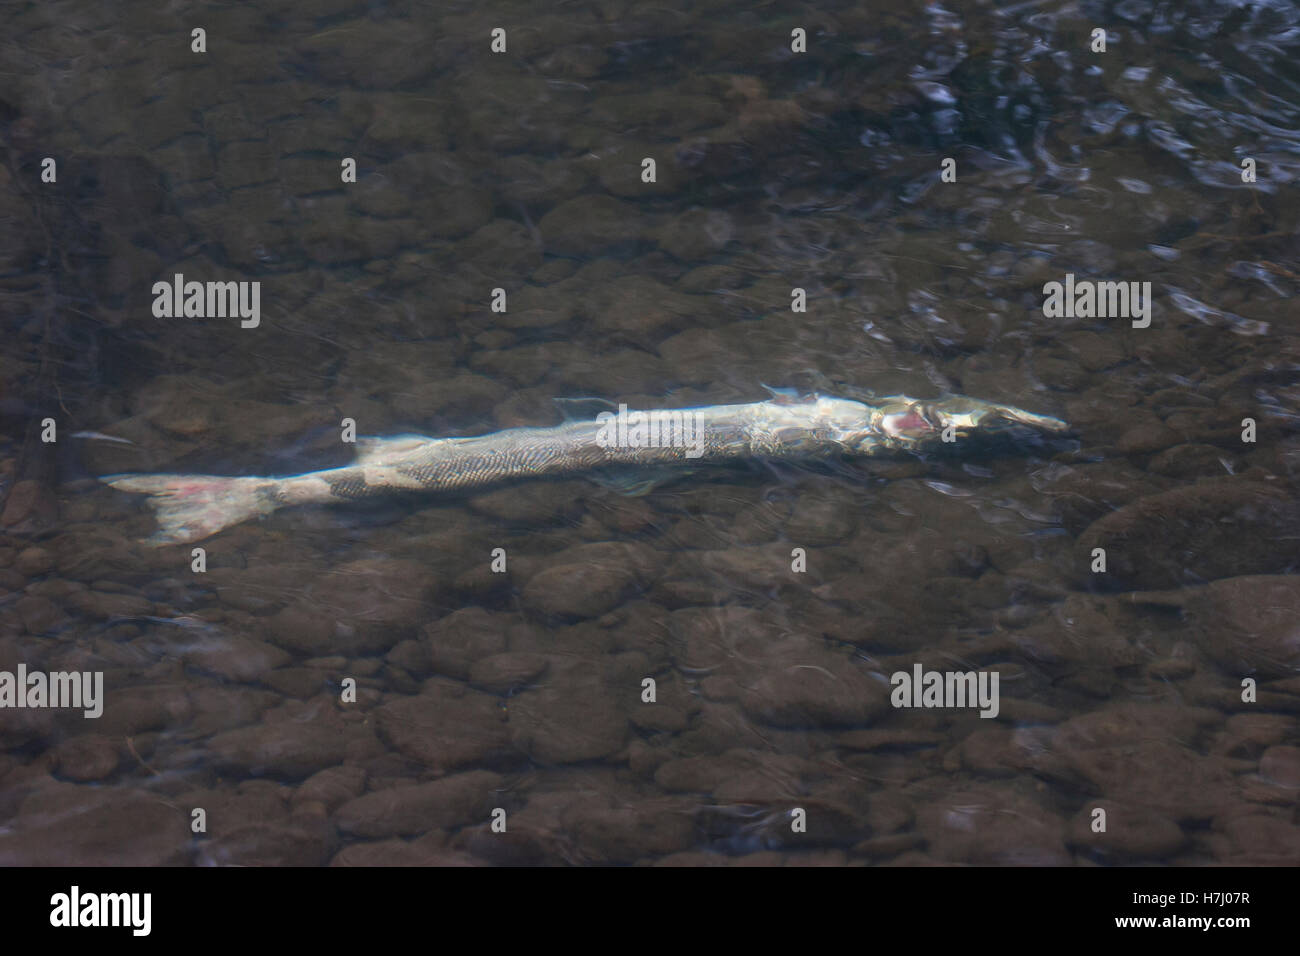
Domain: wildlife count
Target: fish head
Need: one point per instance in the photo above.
(895, 421)
(905, 422)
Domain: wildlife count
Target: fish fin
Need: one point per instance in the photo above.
(582, 409)
(192, 507)
(370, 449)
(636, 482)
(789, 396)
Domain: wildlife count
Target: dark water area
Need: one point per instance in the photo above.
(357, 685)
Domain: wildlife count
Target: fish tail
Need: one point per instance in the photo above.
(192, 507)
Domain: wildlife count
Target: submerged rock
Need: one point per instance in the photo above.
(995, 825)
(76, 825)
(1213, 529)
(446, 726)
(576, 715)
(440, 804)
(282, 749)
(589, 225)
(1132, 832)
(1248, 625)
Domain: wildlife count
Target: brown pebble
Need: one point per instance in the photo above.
(35, 561)
(440, 804)
(1281, 765)
(86, 758)
(502, 673)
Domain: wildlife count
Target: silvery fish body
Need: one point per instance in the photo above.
(192, 507)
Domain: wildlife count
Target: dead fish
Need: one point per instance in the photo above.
(192, 507)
